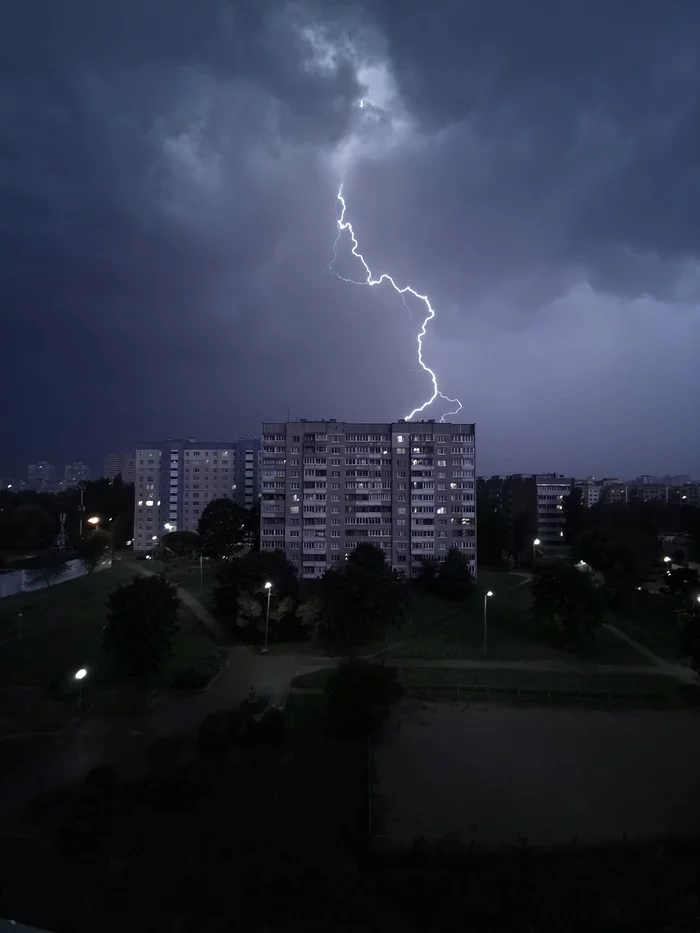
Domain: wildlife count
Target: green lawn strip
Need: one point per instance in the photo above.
(512, 635)
(653, 624)
(632, 684)
(65, 631)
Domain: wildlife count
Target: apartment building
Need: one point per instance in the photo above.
(247, 484)
(75, 473)
(120, 464)
(176, 479)
(408, 487)
(41, 476)
(551, 489)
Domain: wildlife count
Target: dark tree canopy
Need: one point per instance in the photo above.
(141, 626)
(360, 696)
(566, 603)
(181, 543)
(222, 529)
(454, 578)
(689, 644)
(575, 514)
(361, 598)
(624, 555)
(92, 549)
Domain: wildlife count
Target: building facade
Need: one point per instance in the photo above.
(247, 483)
(41, 476)
(121, 464)
(407, 487)
(75, 473)
(176, 479)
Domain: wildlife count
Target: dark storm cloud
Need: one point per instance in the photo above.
(167, 180)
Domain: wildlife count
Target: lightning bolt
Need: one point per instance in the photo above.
(344, 225)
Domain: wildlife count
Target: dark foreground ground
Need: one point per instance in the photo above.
(499, 775)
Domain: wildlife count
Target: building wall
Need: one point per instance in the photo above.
(550, 513)
(75, 473)
(406, 486)
(247, 482)
(176, 479)
(119, 464)
(41, 476)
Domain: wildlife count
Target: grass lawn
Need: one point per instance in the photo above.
(511, 633)
(652, 622)
(63, 630)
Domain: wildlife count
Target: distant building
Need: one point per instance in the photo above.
(176, 479)
(406, 486)
(75, 473)
(41, 476)
(551, 489)
(121, 464)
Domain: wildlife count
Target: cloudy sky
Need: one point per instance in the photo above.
(168, 181)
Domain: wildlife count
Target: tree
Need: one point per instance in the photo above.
(689, 642)
(566, 602)
(48, 567)
(222, 529)
(252, 527)
(141, 626)
(492, 533)
(122, 529)
(624, 555)
(92, 549)
(427, 578)
(360, 599)
(454, 578)
(182, 543)
(682, 581)
(575, 513)
(31, 527)
(360, 695)
(241, 593)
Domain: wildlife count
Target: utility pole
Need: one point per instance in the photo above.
(81, 509)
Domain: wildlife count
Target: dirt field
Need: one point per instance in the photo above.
(496, 774)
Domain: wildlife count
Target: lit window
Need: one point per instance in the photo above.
(149, 501)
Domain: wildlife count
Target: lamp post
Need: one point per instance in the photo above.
(535, 544)
(201, 575)
(487, 596)
(80, 676)
(268, 587)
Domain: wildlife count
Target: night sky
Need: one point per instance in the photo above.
(168, 175)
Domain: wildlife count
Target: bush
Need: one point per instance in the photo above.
(190, 678)
(272, 727)
(214, 734)
(360, 696)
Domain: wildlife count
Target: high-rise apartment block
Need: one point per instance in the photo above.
(75, 473)
(407, 487)
(41, 476)
(176, 479)
(121, 464)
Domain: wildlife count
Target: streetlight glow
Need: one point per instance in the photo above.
(537, 542)
(489, 593)
(667, 560)
(268, 585)
(80, 674)
(94, 520)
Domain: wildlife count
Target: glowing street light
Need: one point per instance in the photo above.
(667, 560)
(94, 520)
(487, 596)
(80, 677)
(535, 544)
(268, 587)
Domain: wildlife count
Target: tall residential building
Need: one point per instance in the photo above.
(41, 476)
(247, 483)
(75, 473)
(405, 486)
(121, 464)
(551, 489)
(175, 480)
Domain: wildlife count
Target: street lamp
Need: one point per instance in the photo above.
(667, 560)
(268, 587)
(80, 676)
(487, 596)
(94, 520)
(535, 544)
